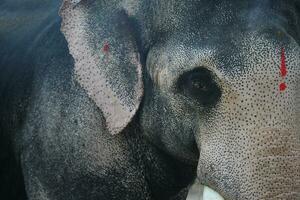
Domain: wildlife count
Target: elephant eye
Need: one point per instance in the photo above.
(199, 83)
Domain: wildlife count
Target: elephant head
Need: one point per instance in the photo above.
(214, 82)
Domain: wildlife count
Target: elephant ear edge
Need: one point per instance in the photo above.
(106, 59)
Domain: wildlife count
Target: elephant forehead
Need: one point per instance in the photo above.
(211, 16)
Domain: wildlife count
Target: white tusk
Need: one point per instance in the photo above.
(210, 194)
(202, 192)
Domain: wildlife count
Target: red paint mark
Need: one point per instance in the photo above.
(283, 71)
(282, 87)
(105, 50)
(106, 47)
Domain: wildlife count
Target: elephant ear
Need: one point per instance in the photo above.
(105, 52)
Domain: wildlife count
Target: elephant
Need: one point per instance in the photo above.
(136, 99)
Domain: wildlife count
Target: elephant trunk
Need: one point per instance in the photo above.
(252, 154)
(271, 168)
(264, 165)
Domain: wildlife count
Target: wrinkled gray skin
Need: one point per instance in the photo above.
(207, 101)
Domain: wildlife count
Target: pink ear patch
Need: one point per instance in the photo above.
(283, 71)
(105, 50)
(105, 47)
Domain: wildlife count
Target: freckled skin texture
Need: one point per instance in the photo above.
(129, 99)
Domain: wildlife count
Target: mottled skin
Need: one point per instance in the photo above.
(211, 99)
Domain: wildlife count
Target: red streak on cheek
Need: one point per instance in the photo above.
(283, 71)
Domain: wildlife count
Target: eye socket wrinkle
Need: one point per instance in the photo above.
(199, 84)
